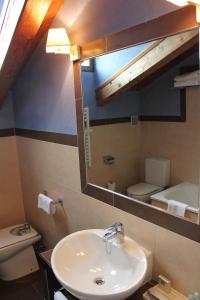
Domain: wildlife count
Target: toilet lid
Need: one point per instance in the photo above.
(7, 239)
(142, 188)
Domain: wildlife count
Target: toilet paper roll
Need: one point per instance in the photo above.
(47, 204)
(59, 296)
(111, 185)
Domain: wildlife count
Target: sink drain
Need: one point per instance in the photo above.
(99, 281)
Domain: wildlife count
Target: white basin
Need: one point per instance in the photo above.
(83, 258)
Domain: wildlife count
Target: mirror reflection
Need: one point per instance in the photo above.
(142, 118)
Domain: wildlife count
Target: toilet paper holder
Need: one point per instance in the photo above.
(58, 201)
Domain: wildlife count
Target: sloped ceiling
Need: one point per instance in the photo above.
(143, 67)
(34, 21)
(87, 20)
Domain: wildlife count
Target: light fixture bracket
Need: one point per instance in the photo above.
(74, 53)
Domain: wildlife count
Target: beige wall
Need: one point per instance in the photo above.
(121, 141)
(180, 142)
(55, 168)
(130, 145)
(11, 205)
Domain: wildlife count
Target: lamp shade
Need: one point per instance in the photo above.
(58, 41)
(195, 2)
(184, 2)
(179, 2)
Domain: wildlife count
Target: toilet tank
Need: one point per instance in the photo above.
(157, 171)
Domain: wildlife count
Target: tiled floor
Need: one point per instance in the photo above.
(31, 287)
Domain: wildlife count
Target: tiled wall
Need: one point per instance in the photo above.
(180, 142)
(11, 205)
(55, 168)
(130, 145)
(122, 141)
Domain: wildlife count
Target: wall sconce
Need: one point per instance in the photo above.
(58, 43)
(184, 2)
(188, 2)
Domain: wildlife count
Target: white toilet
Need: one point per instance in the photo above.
(157, 175)
(17, 256)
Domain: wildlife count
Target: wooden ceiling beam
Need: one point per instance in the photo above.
(149, 61)
(34, 21)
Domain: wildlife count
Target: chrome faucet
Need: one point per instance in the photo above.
(115, 231)
(24, 228)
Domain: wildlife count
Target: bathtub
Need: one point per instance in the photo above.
(184, 192)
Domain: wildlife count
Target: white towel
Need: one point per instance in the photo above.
(176, 208)
(192, 76)
(186, 83)
(47, 204)
(59, 296)
(188, 79)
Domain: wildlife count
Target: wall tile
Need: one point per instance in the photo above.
(180, 141)
(124, 147)
(54, 161)
(178, 258)
(174, 256)
(11, 205)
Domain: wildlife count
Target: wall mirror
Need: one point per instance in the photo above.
(140, 122)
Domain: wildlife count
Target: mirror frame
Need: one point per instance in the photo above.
(178, 21)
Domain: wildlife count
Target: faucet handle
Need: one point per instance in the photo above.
(118, 227)
(111, 227)
(26, 227)
(115, 231)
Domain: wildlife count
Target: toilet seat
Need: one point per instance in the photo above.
(142, 188)
(142, 191)
(8, 239)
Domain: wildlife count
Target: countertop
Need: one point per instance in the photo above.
(46, 256)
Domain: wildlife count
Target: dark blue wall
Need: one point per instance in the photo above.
(121, 106)
(160, 98)
(6, 114)
(44, 94)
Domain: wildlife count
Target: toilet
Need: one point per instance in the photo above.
(17, 256)
(157, 175)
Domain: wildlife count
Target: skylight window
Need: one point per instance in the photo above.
(1, 5)
(10, 11)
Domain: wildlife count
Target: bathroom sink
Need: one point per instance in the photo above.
(91, 268)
